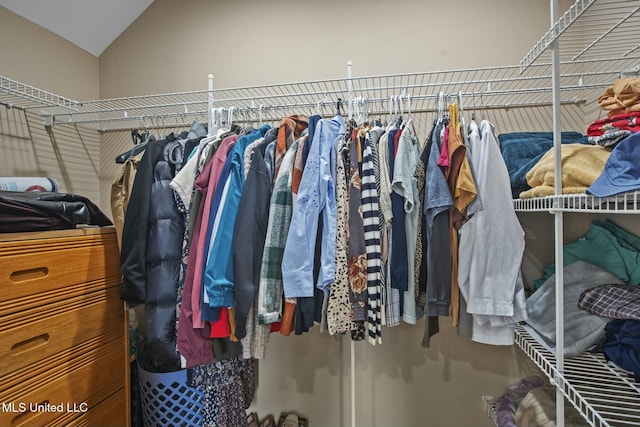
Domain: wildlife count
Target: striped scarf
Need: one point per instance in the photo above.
(370, 214)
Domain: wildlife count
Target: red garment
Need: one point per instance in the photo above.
(626, 121)
(396, 141)
(275, 327)
(221, 328)
(443, 160)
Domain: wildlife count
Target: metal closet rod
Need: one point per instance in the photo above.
(273, 108)
(41, 98)
(111, 106)
(87, 105)
(323, 103)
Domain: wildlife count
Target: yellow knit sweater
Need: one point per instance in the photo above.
(581, 165)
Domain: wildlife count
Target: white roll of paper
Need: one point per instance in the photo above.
(24, 183)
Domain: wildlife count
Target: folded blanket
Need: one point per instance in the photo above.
(581, 166)
(608, 246)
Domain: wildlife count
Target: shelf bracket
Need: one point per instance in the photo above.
(48, 120)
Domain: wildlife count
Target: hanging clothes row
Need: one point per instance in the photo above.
(413, 216)
(341, 223)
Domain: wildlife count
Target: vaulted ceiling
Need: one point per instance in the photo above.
(90, 24)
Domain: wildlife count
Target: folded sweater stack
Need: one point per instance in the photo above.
(610, 130)
(621, 97)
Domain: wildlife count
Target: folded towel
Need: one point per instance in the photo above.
(626, 121)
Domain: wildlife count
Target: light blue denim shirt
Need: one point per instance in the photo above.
(316, 196)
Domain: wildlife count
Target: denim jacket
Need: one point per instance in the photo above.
(316, 196)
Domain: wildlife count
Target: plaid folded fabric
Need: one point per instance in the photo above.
(609, 138)
(612, 301)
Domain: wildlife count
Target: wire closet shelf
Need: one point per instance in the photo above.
(597, 30)
(626, 203)
(14, 94)
(481, 88)
(602, 393)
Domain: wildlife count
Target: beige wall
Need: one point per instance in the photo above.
(173, 45)
(35, 56)
(398, 383)
(38, 57)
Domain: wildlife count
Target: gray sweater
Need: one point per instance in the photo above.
(582, 329)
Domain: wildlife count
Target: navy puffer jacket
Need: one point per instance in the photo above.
(151, 252)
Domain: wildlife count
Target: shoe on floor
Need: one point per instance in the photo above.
(291, 420)
(253, 420)
(269, 421)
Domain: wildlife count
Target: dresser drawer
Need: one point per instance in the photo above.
(109, 412)
(72, 386)
(32, 268)
(32, 335)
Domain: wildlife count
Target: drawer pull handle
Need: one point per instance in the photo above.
(31, 274)
(29, 344)
(24, 418)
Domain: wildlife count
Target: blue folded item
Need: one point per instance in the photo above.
(522, 150)
(621, 173)
(622, 345)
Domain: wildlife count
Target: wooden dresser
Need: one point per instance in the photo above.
(64, 357)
